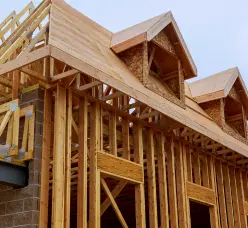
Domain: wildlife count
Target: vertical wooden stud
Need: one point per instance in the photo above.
(125, 140)
(95, 142)
(82, 164)
(196, 167)
(221, 194)
(68, 160)
(151, 178)
(172, 184)
(139, 188)
(180, 186)
(162, 182)
(241, 199)
(228, 196)
(59, 158)
(16, 82)
(236, 213)
(112, 133)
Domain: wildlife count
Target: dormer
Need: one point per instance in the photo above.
(224, 97)
(157, 55)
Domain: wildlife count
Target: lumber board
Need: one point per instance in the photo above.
(94, 183)
(151, 179)
(119, 167)
(139, 188)
(221, 194)
(68, 160)
(172, 183)
(82, 164)
(162, 180)
(59, 158)
(201, 194)
(181, 193)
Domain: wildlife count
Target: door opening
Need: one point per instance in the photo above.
(200, 217)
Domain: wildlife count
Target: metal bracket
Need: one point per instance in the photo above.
(13, 107)
(29, 113)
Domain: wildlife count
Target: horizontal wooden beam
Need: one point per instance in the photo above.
(68, 73)
(25, 60)
(112, 96)
(33, 73)
(242, 162)
(234, 118)
(89, 85)
(225, 151)
(149, 114)
(202, 194)
(119, 167)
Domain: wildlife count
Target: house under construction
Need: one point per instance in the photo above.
(100, 129)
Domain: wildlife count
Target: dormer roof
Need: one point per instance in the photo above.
(218, 86)
(147, 30)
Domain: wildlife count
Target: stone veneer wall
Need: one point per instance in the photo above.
(20, 207)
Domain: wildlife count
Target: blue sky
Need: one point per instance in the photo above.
(216, 32)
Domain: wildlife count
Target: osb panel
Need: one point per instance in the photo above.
(214, 110)
(133, 58)
(174, 86)
(161, 89)
(238, 126)
(181, 83)
(163, 41)
(229, 130)
(234, 95)
(145, 62)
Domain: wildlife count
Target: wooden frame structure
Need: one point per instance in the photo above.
(126, 143)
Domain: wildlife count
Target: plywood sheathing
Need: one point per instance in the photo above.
(133, 58)
(234, 95)
(164, 41)
(214, 110)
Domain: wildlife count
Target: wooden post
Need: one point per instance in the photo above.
(181, 194)
(68, 161)
(15, 85)
(152, 196)
(82, 165)
(59, 158)
(94, 209)
(196, 167)
(236, 213)
(112, 133)
(222, 202)
(162, 182)
(46, 145)
(241, 198)
(139, 188)
(125, 141)
(172, 184)
(228, 195)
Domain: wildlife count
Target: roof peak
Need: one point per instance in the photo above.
(214, 75)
